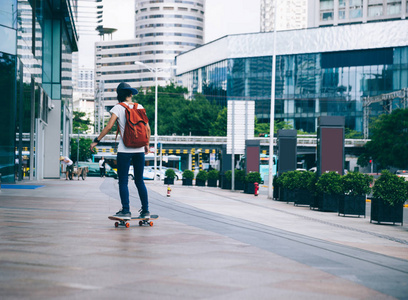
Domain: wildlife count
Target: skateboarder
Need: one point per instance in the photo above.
(127, 155)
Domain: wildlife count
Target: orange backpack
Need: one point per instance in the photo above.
(135, 134)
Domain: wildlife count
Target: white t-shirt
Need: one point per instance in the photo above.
(67, 161)
(120, 112)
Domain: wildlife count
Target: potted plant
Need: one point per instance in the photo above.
(201, 178)
(188, 177)
(389, 194)
(276, 187)
(169, 176)
(250, 179)
(290, 182)
(329, 188)
(356, 186)
(239, 179)
(306, 188)
(212, 178)
(226, 180)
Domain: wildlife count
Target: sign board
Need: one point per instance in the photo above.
(241, 125)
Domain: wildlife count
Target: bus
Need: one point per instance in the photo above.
(264, 166)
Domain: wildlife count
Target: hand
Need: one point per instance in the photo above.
(93, 145)
(147, 149)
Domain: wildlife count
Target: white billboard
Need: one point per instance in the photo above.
(241, 125)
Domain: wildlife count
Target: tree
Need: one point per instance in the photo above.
(219, 127)
(389, 141)
(80, 123)
(176, 114)
(84, 149)
(264, 128)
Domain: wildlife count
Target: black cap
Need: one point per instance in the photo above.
(125, 86)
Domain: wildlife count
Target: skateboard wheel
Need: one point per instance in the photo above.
(116, 224)
(151, 223)
(127, 225)
(140, 223)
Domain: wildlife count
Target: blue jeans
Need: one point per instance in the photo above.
(138, 160)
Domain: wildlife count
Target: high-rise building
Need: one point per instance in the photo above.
(325, 71)
(163, 29)
(37, 41)
(298, 14)
(292, 14)
(339, 12)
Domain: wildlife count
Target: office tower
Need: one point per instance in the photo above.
(339, 12)
(163, 29)
(292, 14)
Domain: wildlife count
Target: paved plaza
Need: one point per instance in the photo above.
(56, 242)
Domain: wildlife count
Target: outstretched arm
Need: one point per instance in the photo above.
(106, 130)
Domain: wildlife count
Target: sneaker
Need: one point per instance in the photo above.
(144, 214)
(123, 214)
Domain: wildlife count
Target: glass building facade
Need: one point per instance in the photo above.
(35, 77)
(307, 85)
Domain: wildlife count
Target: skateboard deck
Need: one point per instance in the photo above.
(125, 221)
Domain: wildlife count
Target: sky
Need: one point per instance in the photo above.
(222, 17)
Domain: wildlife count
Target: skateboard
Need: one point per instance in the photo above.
(125, 221)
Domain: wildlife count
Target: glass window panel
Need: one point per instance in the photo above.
(326, 4)
(8, 38)
(374, 11)
(8, 12)
(394, 9)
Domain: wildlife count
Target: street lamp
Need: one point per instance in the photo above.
(154, 70)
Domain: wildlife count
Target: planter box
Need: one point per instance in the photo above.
(187, 181)
(239, 185)
(225, 184)
(276, 191)
(168, 180)
(352, 205)
(287, 195)
(212, 182)
(329, 203)
(382, 212)
(290, 195)
(314, 202)
(200, 182)
(249, 188)
(303, 197)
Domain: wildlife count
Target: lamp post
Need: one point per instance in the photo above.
(272, 113)
(154, 70)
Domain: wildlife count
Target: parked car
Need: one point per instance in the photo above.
(93, 169)
(148, 173)
(403, 174)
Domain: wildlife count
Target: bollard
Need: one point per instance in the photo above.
(168, 190)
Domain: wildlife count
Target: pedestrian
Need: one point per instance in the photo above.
(102, 167)
(68, 165)
(126, 155)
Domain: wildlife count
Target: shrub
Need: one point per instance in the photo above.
(170, 174)
(202, 175)
(213, 174)
(356, 184)
(188, 174)
(228, 175)
(307, 181)
(253, 177)
(290, 180)
(329, 183)
(239, 175)
(390, 188)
